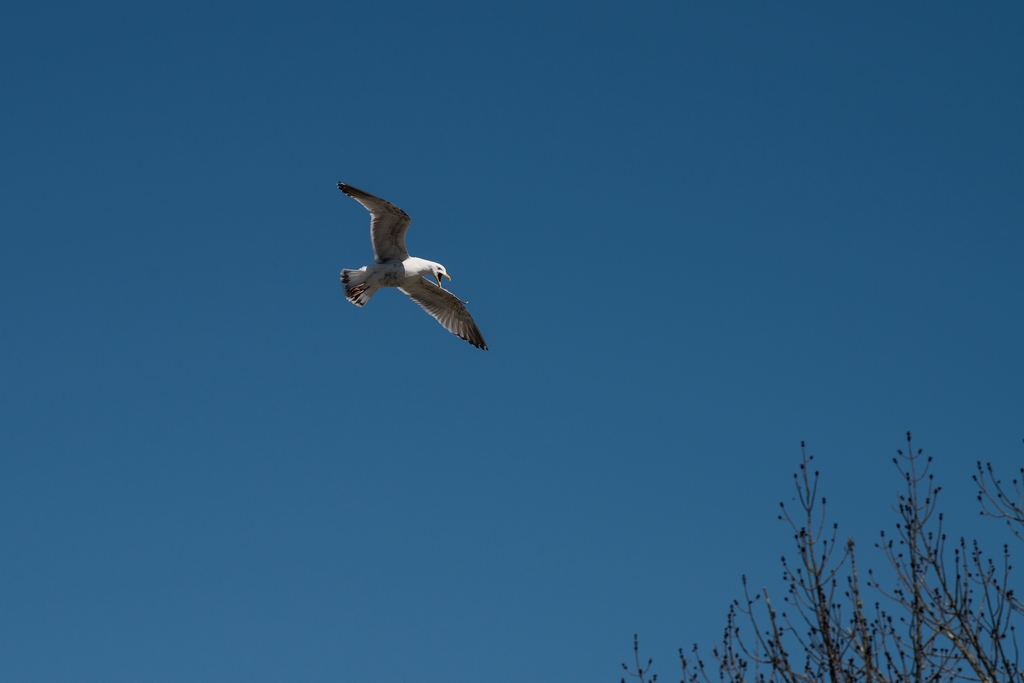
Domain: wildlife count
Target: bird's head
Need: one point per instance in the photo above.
(439, 272)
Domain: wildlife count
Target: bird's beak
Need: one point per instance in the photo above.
(439, 276)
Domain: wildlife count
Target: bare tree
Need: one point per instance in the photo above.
(961, 607)
(1001, 502)
(945, 615)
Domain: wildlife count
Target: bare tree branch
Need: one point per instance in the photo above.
(946, 614)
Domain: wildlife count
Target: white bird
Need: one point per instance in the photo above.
(393, 267)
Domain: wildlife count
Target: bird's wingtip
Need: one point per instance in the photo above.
(354, 192)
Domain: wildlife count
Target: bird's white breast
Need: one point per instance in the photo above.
(386, 274)
(417, 267)
(396, 274)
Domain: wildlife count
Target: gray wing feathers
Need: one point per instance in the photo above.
(388, 224)
(447, 309)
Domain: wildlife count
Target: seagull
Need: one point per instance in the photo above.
(393, 267)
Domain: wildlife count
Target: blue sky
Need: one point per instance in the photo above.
(693, 235)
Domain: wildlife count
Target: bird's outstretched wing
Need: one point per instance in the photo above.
(388, 224)
(447, 309)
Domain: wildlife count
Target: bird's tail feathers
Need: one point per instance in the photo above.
(357, 290)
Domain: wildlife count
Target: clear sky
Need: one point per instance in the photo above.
(693, 234)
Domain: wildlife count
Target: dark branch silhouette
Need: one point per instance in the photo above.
(945, 614)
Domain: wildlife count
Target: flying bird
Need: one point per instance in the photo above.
(393, 267)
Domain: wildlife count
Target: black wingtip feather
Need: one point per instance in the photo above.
(352, 191)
